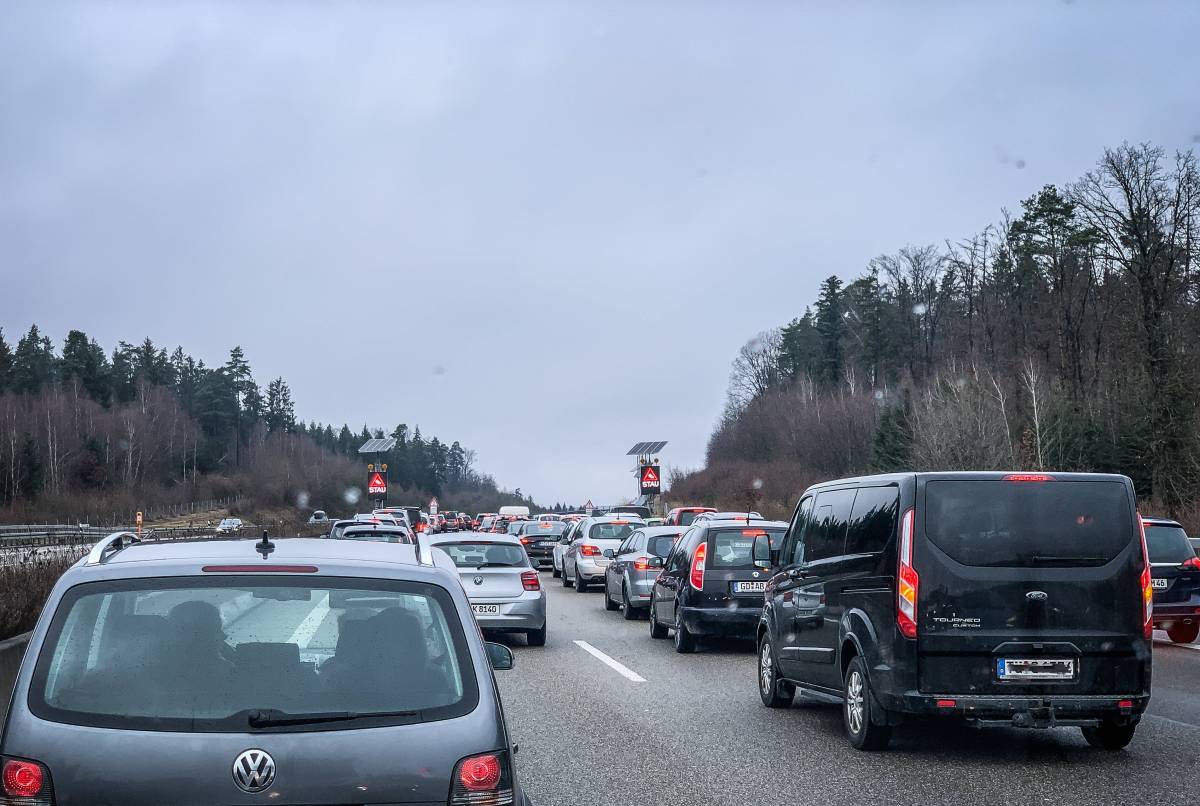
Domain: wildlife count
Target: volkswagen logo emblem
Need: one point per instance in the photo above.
(478, 580)
(253, 770)
(1036, 596)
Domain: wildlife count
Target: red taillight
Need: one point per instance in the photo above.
(1028, 477)
(753, 533)
(946, 703)
(23, 779)
(641, 564)
(589, 551)
(697, 575)
(480, 773)
(1125, 703)
(525, 541)
(1192, 564)
(530, 581)
(907, 581)
(1147, 587)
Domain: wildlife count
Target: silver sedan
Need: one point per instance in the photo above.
(629, 579)
(505, 590)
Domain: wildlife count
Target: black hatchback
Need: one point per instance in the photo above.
(709, 584)
(1175, 578)
(539, 539)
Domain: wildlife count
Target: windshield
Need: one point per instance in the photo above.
(734, 548)
(660, 545)
(1029, 524)
(611, 530)
(204, 654)
(380, 535)
(476, 553)
(544, 528)
(687, 517)
(1168, 544)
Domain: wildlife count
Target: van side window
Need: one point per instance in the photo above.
(793, 549)
(826, 535)
(873, 519)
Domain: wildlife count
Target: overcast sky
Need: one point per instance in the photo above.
(560, 220)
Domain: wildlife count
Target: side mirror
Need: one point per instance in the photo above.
(501, 657)
(765, 557)
(565, 541)
(655, 562)
(609, 553)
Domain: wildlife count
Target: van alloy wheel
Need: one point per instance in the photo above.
(854, 702)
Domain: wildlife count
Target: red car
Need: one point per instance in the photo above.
(683, 516)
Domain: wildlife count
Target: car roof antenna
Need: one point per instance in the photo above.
(264, 546)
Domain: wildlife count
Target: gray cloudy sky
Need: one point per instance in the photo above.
(610, 197)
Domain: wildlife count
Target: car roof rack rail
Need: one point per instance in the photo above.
(104, 549)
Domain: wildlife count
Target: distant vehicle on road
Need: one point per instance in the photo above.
(683, 516)
(656, 521)
(1175, 579)
(629, 577)
(539, 539)
(564, 543)
(318, 518)
(284, 680)
(229, 526)
(477, 522)
(549, 516)
(515, 512)
(381, 532)
(1018, 599)
(635, 510)
(505, 590)
(712, 515)
(583, 561)
(709, 584)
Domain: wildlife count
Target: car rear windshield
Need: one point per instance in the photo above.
(378, 535)
(660, 546)
(613, 530)
(546, 528)
(231, 653)
(687, 516)
(734, 548)
(1168, 544)
(478, 553)
(1025, 524)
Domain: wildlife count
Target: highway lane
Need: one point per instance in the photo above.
(696, 732)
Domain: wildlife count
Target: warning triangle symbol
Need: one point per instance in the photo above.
(376, 480)
(649, 475)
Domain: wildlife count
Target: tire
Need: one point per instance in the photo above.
(656, 630)
(858, 708)
(581, 584)
(773, 692)
(554, 570)
(536, 637)
(609, 604)
(626, 608)
(1109, 735)
(685, 642)
(565, 582)
(1184, 633)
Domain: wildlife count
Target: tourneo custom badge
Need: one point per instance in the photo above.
(253, 770)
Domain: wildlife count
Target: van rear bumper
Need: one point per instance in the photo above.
(737, 622)
(1021, 711)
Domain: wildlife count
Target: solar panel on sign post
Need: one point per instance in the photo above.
(378, 445)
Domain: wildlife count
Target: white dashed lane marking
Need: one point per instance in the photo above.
(616, 666)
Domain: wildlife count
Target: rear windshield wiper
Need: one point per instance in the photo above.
(273, 718)
(494, 565)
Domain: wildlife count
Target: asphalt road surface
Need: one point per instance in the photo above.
(665, 728)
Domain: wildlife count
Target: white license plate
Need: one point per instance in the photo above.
(547, 543)
(1159, 583)
(486, 610)
(1035, 668)
(749, 587)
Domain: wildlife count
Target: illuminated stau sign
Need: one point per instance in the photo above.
(651, 480)
(376, 484)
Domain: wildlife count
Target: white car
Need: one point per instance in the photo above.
(229, 526)
(583, 561)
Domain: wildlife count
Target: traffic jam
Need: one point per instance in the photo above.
(1023, 603)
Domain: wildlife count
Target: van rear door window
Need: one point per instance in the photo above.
(1029, 524)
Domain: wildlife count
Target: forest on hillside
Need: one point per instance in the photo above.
(1062, 336)
(92, 436)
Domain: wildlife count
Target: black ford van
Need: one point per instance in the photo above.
(1018, 599)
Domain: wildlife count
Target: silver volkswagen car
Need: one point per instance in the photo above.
(584, 561)
(629, 577)
(504, 588)
(232, 671)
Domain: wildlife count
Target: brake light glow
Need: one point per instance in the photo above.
(1125, 703)
(641, 564)
(22, 779)
(530, 581)
(697, 575)
(1028, 477)
(480, 773)
(1192, 563)
(907, 581)
(619, 523)
(524, 541)
(754, 533)
(589, 551)
(946, 703)
(1147, 589)
(259, 569)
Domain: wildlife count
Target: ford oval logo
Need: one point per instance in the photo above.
(1036, 596)
(253, 770)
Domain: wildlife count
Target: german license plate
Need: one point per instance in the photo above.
(1035, 668)
(547, 543)
(1159, 583)
(486, 610)
(749, 587)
